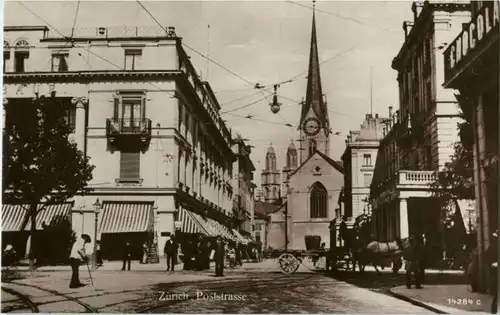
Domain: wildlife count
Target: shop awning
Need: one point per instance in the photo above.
(190, 224)
(240, 237)
(224, 231)
(14, 217)
(127, 217)
(206, 224)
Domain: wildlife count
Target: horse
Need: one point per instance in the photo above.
(382, 253)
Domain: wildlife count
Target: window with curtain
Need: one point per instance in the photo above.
(130, 165)
(132, 112)
(60, 62)
(132, 58)
(318, 201)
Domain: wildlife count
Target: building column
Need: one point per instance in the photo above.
(81, 103)
(403, 218)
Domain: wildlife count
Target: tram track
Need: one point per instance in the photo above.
(24, 298)
(87, 307)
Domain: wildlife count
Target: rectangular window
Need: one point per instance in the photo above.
(60, 62)
(132, 58)
(6, 58)
(20, 60)
(367, 159)
(133, 111)
(130, 166)
(368, 180)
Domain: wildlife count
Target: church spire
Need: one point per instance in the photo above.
(314, 94)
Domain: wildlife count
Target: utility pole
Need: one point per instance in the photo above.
(286, 225)
(371, 91)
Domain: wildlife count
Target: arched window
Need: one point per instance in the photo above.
(21, 54)
(318, 201)
(312, 146)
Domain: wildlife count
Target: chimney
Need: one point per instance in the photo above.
(376, 115)
(390, 111)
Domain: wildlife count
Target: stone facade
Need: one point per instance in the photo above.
(134, 90)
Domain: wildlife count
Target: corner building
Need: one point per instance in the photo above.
(147, 121)
(471, 72)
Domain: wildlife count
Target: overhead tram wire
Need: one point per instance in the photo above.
(344, 17)
(261, 120)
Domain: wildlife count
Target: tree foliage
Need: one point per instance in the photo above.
(456, 180)
(40, 163)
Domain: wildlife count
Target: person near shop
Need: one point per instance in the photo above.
(219, 254)
(413, 262)
(238, 254)
(144, 253)
(77, 256)
(422, 241)
(187, 250)
(98, 256)
(127, 255)
(207, 247)
(170, 251)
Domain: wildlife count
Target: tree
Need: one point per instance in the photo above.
(456, 179)
(42, 166)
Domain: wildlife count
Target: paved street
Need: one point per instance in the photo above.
(255, 288)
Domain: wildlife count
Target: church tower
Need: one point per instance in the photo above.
(291, 165)
(270, 178)
(314, 123)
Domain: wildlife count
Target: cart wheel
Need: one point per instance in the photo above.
(288, 263)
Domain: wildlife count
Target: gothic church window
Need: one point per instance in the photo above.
(312, 146)
(318, 201)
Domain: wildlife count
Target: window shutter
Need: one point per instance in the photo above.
(130, 165)
(116, 107)
(143, 107)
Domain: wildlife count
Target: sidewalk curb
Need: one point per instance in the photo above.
(416, 302)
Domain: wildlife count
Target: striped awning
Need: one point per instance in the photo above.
(224, 232)
(190, 224)
(240, 237)
(206, 224)
(127, 217)
(14, 217)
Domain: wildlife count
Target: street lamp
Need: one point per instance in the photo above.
(97, 207)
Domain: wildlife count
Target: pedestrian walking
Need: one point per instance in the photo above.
(492, 258)
(238, 250)
(78, 255)
(219, 254)
(170, 251)
(144, 256)
(98, 255)
(413, 263)
(127, 255)
(422, 259)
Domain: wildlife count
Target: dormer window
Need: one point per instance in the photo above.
(132, 58)
(60, 62)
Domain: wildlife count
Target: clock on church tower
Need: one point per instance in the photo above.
(311, 126)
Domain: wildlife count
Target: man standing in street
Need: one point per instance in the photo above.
(219, 257)
(170, 251)
(127, 255)
(76, 257)
(492, 258)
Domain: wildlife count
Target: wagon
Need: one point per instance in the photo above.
(289, 260)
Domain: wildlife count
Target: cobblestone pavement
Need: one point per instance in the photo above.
(255, 288)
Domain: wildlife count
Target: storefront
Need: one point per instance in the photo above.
(471, 68)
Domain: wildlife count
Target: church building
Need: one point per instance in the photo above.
(313, 188)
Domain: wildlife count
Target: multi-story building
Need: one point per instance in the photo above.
(359, 162)
(471, 68)
(243, 198)
(424, 128)
(150, 125)
(270, 178)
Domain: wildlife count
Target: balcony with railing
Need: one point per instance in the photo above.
(119, 128)
(416, 179)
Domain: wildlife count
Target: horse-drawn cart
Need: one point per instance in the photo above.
(289, 260)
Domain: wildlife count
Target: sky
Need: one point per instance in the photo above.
(265, 42)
